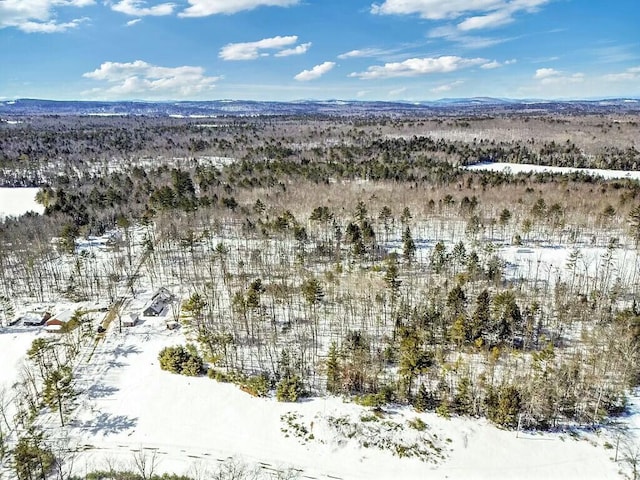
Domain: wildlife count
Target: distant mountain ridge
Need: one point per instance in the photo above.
(194, 109)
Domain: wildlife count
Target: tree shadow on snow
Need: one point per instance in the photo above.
(116, 364)
(110, 424)
(126, 351)
(101, 391)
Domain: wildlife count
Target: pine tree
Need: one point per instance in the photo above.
(312, 291)
(391, 276)
(361, 212)
(507, 316)
(32, 459)
(463, 400)
(481, 316)
(456, 301)
(334, 375)
(424, 399)
(413, 359)
(438, 257)
(58, 390)
(408, 245)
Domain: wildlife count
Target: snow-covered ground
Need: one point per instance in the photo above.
(14, 343)
(128, 405)
(17, 201)
(131, 404)
(529, 168)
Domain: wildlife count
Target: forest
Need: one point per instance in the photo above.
(355, 257)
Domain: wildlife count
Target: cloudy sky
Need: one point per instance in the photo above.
(318, 49)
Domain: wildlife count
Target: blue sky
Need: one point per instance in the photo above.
(318, 49)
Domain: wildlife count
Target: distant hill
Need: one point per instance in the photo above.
(194, 109)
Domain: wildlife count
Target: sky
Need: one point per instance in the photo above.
(285, 50)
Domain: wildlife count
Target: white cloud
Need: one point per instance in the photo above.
(38, 16)
(563, 79)
(450, 9)
(495, 64)
(397, 91)
(299, 50)
(204, 8)
(447, 87)
(490, 20)
(434, 9)
(491, 65)
(143, 80)
(453, 34)
(253, 50)
(551, 76)
(315, 72)
(131, 23)
(50, 27)
(365, 52)
(629, 74)
(419, 66)
(546, 73)
(138, 8)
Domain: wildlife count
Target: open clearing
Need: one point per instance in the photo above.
(18, 201)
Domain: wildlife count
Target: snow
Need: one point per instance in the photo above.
(14, 343)
(17, 201)
(130, 403)
(127, 404)
(550, 263)
(516, 168)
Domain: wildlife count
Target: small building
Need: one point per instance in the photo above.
(59, 319)
(36, 321)
(129, 320)
(158, 303)
(172, 325)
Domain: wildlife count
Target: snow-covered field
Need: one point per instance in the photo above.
(529, 168)
(17, 201)
(131, 404)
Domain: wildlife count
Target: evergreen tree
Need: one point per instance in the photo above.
(438, 257)
(507, 317)
(361, 212)
(391, 276)
(413, 358)
(481, 317)
(408, 245)
(385, 216)
(463, 399)
(312, 291)
(503, 405)
(58, 390)
(424, 400)
(32, 459)
(456, 301)
(406, 217)
(334, 376)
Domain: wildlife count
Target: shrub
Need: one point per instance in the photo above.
(181, 360)
(417, 424)
(257, 385)
(289, 389)
(375, 400)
